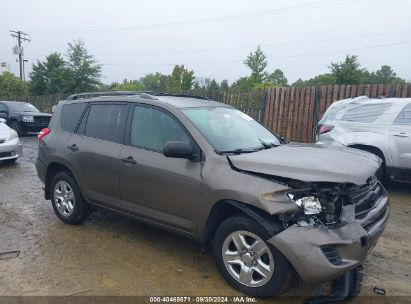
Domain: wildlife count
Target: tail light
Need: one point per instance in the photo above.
(43, 133)
(326, 129)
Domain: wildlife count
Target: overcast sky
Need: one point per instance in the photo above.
(133, 38)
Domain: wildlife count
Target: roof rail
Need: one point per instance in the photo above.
(143, 94)
(178, 95)
(110, 93)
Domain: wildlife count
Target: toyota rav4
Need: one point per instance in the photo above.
(264, 207)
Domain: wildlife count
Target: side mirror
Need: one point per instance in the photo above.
(2, 120)
(178, 149)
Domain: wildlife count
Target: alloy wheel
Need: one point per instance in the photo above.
(247, 258)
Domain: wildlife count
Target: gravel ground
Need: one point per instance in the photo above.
(111, 255)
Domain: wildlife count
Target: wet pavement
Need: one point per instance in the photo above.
(112, 255)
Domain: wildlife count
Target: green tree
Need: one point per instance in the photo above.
(257, 63)
(349, 71)
(180, 79)
(49, 76)
(386, 75)
(11, 85)
(298, 83)
(277, 78)
(126, 85)
(84, 72)
(243, 84)
(319, 80)
(154, 82)
(224, 85)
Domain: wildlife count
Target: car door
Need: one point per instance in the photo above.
(164, 190)
(400, 143)
(94, 151)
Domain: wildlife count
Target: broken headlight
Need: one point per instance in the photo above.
(309, 204)
(322, 204)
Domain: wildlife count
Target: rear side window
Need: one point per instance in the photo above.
(106, 121)
(365, 113)
(70, 115)
(404, 118)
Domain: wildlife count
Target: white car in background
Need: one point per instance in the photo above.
(10, 146)
(379, 126)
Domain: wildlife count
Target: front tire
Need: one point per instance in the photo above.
(246, 261)
(66, 199)
(16, 126)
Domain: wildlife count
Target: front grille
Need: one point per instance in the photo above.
(2, 141)
(332, 254)
(39, 120)
(366, 198)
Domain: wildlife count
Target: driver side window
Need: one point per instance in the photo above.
(152, 129)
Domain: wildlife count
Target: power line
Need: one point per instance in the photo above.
(262, 45)
(277, 57)
(20, 36)
(282, 10)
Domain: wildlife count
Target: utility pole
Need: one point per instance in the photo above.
(24, 69)
(19, 50)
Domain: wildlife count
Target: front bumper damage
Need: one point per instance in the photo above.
(320, 253)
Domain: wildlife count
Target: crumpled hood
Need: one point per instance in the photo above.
(310, 163)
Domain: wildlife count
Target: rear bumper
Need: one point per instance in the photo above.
(41, 170)
(10, 150)
(321, 254)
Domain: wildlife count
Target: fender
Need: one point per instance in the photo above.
(218, 215)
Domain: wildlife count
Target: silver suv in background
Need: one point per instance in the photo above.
(379, 126)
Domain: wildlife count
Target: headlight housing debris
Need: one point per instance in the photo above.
(309, 204)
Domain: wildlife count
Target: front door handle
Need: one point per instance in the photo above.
(129, 160)
(401, 134)
(73, 148)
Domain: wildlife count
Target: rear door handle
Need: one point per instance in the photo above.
(129, 160)
(73, 148)
(401, 134)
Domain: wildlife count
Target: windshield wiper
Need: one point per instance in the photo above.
(240, 151)
(267, 145)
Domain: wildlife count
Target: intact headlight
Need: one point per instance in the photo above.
(310, 204)
(28, 118)
(13, 134)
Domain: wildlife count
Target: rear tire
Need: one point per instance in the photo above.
(247, 261)
(66, 199)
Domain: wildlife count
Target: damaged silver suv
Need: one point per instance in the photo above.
(210, 172)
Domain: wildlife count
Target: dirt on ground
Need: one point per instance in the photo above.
(112, 255)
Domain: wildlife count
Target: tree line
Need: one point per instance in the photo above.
(79, 71)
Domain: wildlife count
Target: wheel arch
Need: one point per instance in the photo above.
(369, 148)
(224, 209)
(52, 169)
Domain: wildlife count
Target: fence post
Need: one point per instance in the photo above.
(264, 106)
(317, 106)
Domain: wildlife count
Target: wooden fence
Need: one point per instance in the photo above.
(295, 111)
(292, 112)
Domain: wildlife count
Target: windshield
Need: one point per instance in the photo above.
(21, 107)
(230, 130)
